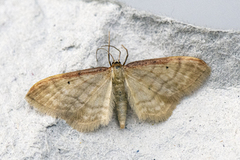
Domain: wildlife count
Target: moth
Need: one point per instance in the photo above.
(85, 99)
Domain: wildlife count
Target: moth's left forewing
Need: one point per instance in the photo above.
(155, 86)
(83, 98)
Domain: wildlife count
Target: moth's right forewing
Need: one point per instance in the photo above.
(155, 86)
(83, 98)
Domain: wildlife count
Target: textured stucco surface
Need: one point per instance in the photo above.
(43, 38)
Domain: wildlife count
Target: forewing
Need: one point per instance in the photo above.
(155, 86)
(83, 98)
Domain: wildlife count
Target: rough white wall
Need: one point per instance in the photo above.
(40, 38)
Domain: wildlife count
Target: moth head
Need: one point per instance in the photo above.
(116, 63)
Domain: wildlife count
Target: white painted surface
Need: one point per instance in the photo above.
(215, 14)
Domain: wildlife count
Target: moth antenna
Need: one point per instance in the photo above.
(126, 56)
(119, 55)
(109, 54)
(109, 48)
(108, 51)
(112, 46)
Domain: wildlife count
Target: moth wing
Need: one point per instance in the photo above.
(154, 87)
(83, 98)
